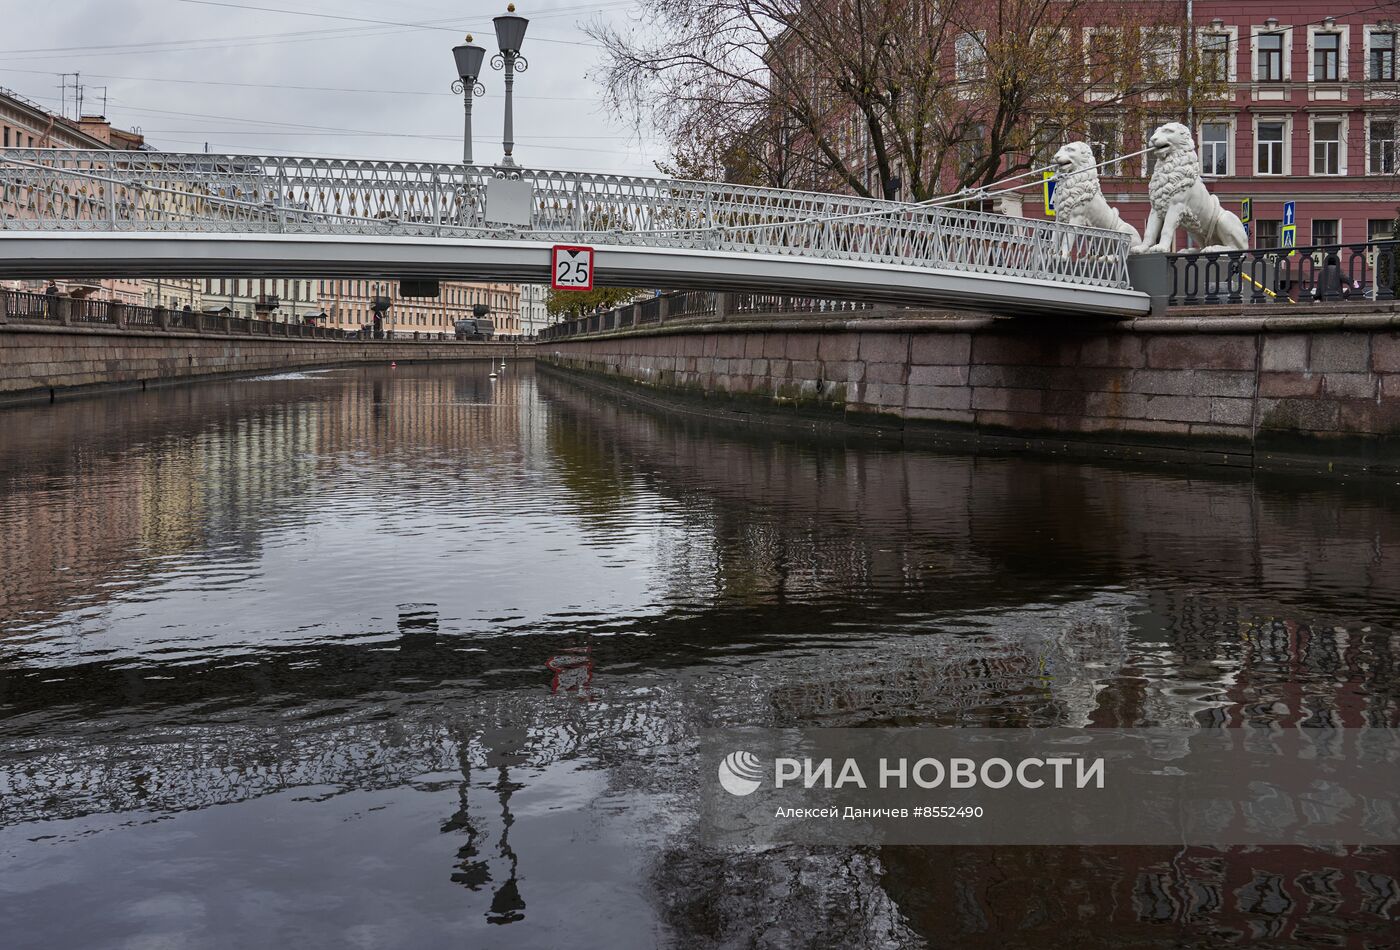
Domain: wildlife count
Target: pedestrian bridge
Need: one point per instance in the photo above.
(76, 213)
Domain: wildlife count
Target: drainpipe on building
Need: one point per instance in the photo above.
(1191, 60)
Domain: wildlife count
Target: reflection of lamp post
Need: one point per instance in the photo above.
(510, 33)
(468, 59)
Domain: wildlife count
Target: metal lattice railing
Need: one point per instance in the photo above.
(69, 189)
(1320, 273)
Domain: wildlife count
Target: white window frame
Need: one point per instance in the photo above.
(1232, 48)
(1171, 61)
(1103, 151)
(1287, 122)
(1229, 124)
(1344, 33)
(1287, 33)
(1395, 132)
(973, 68)
(1095, 91)
(1380, 88)
(1342, 130)
(1312, 221)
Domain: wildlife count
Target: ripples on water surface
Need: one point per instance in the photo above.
(414, 658)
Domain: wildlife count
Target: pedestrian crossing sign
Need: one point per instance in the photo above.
(1290, 236)
(1048, 185)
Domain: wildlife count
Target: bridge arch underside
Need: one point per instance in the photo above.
(179, 254)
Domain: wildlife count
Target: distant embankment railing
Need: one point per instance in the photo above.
(1318, 273)
(692, 304)
(17, 306)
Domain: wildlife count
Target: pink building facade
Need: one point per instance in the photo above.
(1311, 116)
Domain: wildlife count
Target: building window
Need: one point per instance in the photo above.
(1381, 149)
(1327, 147)
(1381, 66)
(971, 151)
(1270, 67)
(971, 57)
(1215, 148)
(1268, 147)
(1380, 229)
(1324, 231)
(1215, 56)
(1327, 49)
(1103, 139)
(1159, 48)
(1268, 233)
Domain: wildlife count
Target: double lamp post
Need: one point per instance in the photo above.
(510, 33)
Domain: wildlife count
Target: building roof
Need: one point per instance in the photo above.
(89, 132)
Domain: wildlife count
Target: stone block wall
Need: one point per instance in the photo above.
(44, 362)
(1321, 386)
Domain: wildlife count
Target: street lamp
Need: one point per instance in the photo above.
(468, 59)
(510, 33)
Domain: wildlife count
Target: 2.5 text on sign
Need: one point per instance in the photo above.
(571, 267)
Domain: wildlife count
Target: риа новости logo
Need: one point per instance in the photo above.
(740, 773)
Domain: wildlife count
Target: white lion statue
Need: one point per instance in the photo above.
(1078, 198)
(1179, 198)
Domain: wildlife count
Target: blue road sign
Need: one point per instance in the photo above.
(1290, 235)
(1048, 184)
(1246, 208)
(1288, 210)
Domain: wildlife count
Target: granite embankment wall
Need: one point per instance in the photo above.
(47, 362)
(1321, 385)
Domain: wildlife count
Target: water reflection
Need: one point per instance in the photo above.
(403, 655)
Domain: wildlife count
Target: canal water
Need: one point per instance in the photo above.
(415, 658)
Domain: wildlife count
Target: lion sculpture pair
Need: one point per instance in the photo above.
(1179, 197)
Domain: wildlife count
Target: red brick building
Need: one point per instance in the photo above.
(1311, 115)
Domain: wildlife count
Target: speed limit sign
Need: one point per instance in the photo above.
(571, 267)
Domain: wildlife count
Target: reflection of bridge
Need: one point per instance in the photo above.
(95, 213)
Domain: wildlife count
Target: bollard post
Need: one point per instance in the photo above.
(722, 305)
(4, 306)
(163, 318)
(119, 315)
(663, 308)
(65, 310)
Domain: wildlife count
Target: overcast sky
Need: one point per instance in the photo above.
(314, 79)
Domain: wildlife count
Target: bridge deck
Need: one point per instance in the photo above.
(77, 213)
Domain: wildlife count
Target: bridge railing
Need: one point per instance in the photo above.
(1318, 273)
(693, 305)
(786, 303)
(71, 189)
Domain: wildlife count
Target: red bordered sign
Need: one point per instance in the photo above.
(571, 267)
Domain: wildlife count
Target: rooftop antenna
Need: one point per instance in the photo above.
(63, 92)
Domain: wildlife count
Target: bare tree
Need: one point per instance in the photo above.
(893, 98)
